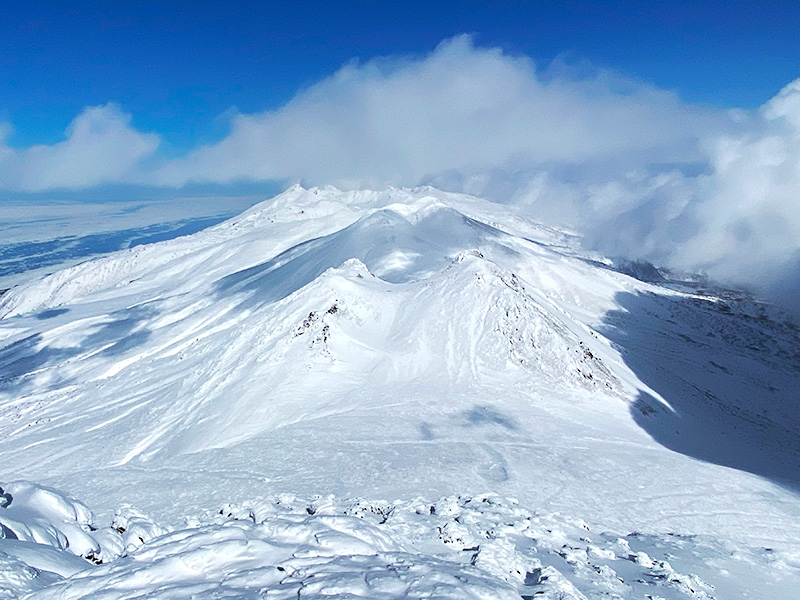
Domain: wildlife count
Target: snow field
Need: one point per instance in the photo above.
(392, 344)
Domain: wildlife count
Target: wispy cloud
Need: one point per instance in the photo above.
(638, 171)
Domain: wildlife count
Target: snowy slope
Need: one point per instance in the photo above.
(405, 344)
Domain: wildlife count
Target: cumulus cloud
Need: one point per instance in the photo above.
(639, 172)
(460, 108)
(100, 147)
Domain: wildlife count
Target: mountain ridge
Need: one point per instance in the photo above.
(398, 343)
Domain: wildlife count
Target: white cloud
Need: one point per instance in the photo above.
(738, 220)
(460, 108)
(100, 147)
(748, 209)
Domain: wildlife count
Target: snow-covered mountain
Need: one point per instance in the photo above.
(431, 349)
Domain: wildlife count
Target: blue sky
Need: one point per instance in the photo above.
(178, 66)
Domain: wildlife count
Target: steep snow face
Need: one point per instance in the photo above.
(398, 343)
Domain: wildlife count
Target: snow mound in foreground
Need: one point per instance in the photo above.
(284, 557)
(481, 547)
(46, 535)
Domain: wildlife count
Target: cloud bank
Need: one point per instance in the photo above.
(100, 147)
(639, 172)
(460, 108)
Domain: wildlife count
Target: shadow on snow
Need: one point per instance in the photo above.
(731, 380)
(21, 359)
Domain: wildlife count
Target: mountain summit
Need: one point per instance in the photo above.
(402, 343)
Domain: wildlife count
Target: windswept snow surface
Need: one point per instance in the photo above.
(38, 237)
(403, 344)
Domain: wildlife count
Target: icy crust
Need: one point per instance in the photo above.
(539, 556)
(282, 558)
(482, 547)
(32, 513)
